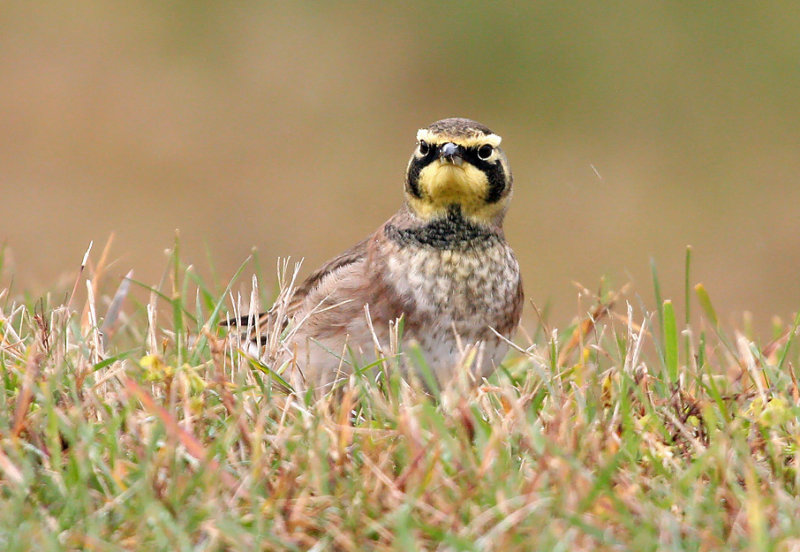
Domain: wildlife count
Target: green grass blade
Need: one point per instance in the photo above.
(705, 303)
(261, 367)
(657, 292)
(789, 340)
(687, 304)
(670, 342)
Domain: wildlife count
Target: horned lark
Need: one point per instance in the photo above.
(441, 263)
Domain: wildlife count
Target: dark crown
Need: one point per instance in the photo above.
(459, 127)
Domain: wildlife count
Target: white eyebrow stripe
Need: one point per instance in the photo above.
(465, 141)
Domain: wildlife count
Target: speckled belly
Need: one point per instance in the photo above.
(458, 292)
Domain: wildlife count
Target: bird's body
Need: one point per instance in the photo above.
(441, 263)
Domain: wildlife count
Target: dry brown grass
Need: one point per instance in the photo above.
(160, 433)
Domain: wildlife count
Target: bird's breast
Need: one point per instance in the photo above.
(466, 289)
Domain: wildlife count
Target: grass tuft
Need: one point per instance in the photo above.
(128, 425)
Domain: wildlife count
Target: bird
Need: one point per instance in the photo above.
(441, 264)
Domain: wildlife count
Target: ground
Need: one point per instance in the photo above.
(130, 426)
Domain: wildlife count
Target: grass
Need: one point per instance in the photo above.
(627, 430)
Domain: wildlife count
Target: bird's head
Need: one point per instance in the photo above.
(458, 163)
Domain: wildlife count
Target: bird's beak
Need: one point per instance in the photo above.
(451, 153)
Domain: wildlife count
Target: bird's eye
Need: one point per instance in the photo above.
(424, 148)
(485, 151)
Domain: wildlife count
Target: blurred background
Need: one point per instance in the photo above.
(633, 130)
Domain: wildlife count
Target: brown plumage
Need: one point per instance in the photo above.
(441, 262)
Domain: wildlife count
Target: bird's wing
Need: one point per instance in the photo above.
(353, 255)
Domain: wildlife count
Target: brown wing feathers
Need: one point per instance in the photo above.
(352, 255)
